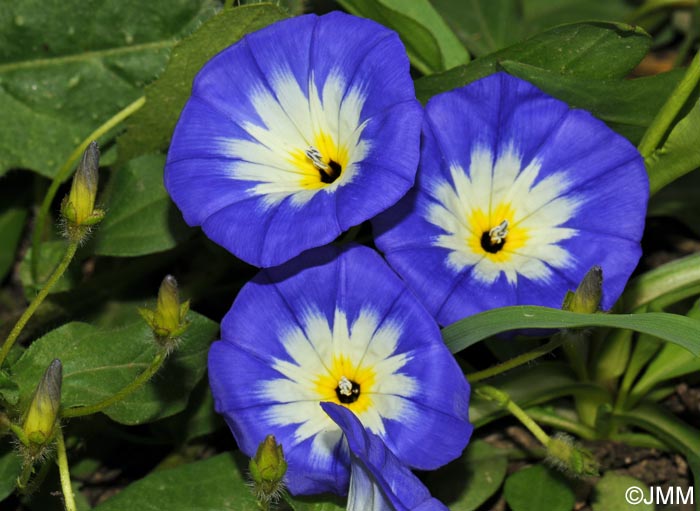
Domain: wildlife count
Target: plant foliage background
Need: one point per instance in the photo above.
(68, 67)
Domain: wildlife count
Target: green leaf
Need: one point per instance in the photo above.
(666, 279)
(627, 106)
(51, 254)
(97, 363)
(528, 386)
(484, 26)
(318, 503)
(466, 483)
(197, 420)
(679, 153)
(542, 14)
(213, 484)
(66, 66)
(665, 426)
(10, 468)
(585, 50)
(536, 487)
(679, 200)
(140, 217)
(670, 362)
(644, 350)
(150, 129)
(677, 329)
(9, 391)
(430, 43)
(609, 493)
(11, 226)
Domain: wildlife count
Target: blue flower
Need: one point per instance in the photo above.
(294, 134)
(516, 198)
(337, 326)
(378, 480)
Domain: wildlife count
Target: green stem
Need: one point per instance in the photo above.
(529, 356)
(289, 501)
(64, 473)
(80, 411)
(38, 299)
(561, 423)
(690, 37)
(668, 113)
(504, 400)
(64, 172)
(23, 479)
(228, 4)
(640, 440)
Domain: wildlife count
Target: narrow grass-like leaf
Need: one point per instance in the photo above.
(529, 386)
(677, 329)
(671, 277)
(665, 426)
(679, 154)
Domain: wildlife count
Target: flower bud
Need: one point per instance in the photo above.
(564, 454)
(586, 298)
(78, 207)
(167, 320)
(41, 418)
(267, 470)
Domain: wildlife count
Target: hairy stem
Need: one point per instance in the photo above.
(38, 299)
(64, 473)
(80, 411)
(529, 356)
(64, 172)
(504, 400)
(663, 120)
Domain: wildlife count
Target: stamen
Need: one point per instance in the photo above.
(498, 234)
(316, 158)
(347, 391)
(329, 171)
(345, 386)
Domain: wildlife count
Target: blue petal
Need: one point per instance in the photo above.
(251, 198)
(598, 173)
(378, 481)
(272, 329)
(234, 373)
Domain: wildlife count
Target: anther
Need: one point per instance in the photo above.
(498, 234)
(345, 386)
(316, 158)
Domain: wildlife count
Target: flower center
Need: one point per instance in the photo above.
(347, 390)
(494, 239)
(328, 172)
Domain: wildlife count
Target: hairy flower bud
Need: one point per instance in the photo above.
(267, 469)
(564, 454)
(78, 207)
(167, 320)
(41, 418)
(586, 298)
